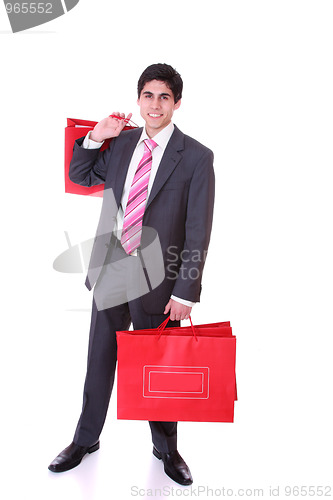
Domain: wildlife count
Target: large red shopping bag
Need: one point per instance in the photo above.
(173, 374)
(75, 129)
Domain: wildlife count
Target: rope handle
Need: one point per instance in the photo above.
(163, 325)
(126, 120)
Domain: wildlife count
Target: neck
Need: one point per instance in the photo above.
(152, 132)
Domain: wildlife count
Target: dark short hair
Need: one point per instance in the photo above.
(164, 73)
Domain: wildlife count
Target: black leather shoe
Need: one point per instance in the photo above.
(175, 467)
(71, 456)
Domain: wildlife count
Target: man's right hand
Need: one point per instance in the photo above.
(109, 127)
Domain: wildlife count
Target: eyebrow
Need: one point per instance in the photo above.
(151, 93)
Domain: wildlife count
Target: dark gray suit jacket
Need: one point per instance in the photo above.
(179, 208)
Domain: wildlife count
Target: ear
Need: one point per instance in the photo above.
(177, 105)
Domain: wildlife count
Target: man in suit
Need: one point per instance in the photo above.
(176, 204)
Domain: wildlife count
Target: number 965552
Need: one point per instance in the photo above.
(29, 8)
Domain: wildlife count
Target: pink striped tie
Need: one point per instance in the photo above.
(137, 199)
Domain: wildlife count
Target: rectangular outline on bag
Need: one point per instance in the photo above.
(147, 394)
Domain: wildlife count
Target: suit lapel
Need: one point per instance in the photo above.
(169, 161)
(124, 161)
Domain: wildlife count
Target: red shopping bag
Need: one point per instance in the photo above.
(179, 373)
(74, 130)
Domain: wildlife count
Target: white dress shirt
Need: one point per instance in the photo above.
(161, 139)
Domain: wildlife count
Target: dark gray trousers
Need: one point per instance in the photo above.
(102, 359)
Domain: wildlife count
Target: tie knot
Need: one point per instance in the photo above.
(150, 144)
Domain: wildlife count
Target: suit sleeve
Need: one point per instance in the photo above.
(197, 229)
(88, 167)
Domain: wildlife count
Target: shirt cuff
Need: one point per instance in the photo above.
(183, 301)
(89, 143)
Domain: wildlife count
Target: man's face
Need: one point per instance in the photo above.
(156, 106)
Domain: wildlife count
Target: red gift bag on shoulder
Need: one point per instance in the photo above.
(179, 373)
(75, 129)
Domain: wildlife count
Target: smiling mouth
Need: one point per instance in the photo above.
(154, 115)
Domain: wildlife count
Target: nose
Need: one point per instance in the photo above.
(155, 103)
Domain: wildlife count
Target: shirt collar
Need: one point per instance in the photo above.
(162, 138)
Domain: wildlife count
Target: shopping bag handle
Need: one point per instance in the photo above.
(126, 120)
(163, 325)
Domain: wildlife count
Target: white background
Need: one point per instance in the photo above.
(258, 85)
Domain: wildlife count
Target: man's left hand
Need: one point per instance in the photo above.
(177, 310)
